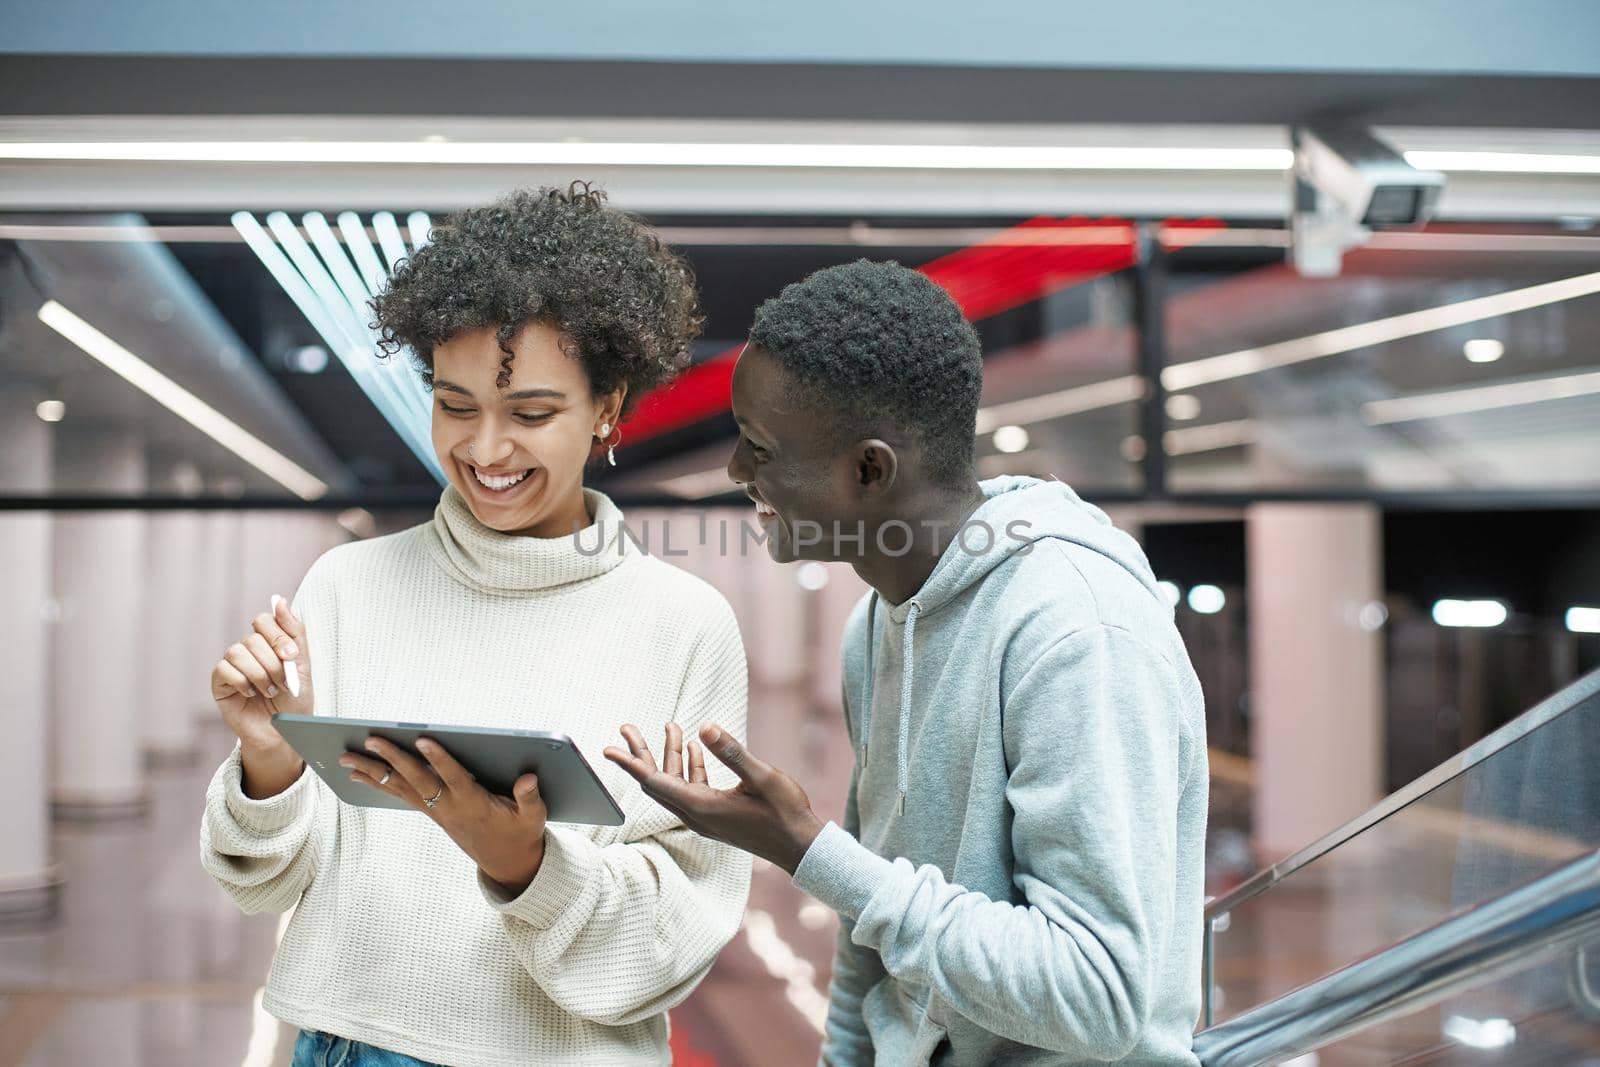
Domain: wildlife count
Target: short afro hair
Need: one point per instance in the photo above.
(877, 343)
(625, 306)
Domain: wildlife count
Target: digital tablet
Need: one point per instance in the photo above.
(496, 758)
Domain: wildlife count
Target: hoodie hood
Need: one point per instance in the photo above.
(1017, 513)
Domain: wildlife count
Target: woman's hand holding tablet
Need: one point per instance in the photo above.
(503, 835)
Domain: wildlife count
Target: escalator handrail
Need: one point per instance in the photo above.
(1539, 715)
(1558, 911)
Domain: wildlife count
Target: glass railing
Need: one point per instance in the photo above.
(1528, 1017)
(1521, 805)
(1449, 994)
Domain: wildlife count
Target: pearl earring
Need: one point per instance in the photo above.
(611, 448)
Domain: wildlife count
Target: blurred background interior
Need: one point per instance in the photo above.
(1353, 419)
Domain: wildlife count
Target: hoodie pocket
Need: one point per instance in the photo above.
(903, 1035)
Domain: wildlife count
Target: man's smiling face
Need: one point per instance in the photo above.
(789, 463)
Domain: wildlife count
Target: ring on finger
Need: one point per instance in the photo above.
(386, 776)
(431, 801)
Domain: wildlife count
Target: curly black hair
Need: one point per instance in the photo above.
(875, 343)
(625, 306)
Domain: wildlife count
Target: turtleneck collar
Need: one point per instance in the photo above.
(494, 562)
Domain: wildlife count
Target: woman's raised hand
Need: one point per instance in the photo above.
(251, 684)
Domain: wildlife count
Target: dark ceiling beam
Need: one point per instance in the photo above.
(169, 85)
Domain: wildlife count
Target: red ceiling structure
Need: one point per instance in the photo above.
(1017, 266)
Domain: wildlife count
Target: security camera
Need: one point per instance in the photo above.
(1348, 183)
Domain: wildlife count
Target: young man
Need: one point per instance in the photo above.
(1019, 874)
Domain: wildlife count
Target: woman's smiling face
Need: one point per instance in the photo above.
(517, 454)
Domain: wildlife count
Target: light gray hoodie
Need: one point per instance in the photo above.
(1030, 798)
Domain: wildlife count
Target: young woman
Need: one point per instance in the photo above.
(469, 931)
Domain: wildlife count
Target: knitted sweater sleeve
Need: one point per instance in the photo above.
(265, 853)
(620, 932)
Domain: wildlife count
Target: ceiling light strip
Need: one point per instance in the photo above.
(389, 239)
(1505, 162)
(182, 403)
(1185, 376)
(360, 245)
(403, 407)
(1209, 438)
(396, 374)
(1480, 398)
(745, 154)
(1055, 405)
(344, 275)
(419, 227)
(347, 335)
(663, 154)
(323, 321)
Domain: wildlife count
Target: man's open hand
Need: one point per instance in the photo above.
(766, 814)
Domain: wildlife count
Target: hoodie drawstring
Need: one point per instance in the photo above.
(907, 676)
(903, 773)
(866, 677)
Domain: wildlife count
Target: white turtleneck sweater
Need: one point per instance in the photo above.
(396, 940)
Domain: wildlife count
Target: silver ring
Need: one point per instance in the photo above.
(386, 775)
(431, 801)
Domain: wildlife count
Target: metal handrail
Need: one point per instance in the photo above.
(1541, 714)
(1552, 914)
(1546, 710)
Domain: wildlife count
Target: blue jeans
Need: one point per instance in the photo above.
(316, 1049)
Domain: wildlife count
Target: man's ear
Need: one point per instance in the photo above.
(877, 466)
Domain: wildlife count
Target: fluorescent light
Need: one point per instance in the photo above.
(389, 239)
(663, 154)
(51, 410)
(812, 576)
(1378, 331)
(1471, 613)
(1010, 439)
(178, 400)
(1249, 361)
(344, 275)
(1211, 437)
(330, 316)
(361, 250)
(733, 154)
(1480, 398)
(1104, 394)
(1583, 620)
(1372, 616)
(1506, 162)
(1483, 350)
(288, 278)
(419, 227)
(311, 269)
(1207, 599)
(567, 153)
(1479, 1033)
(1183, 406)
(307, 359)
